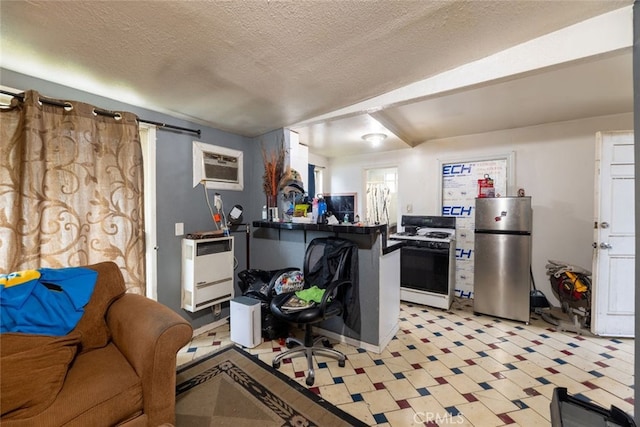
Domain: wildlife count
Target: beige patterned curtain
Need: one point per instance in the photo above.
(70, 188)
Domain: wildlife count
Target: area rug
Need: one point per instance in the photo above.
(234, 388)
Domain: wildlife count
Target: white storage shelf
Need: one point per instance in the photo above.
(207, 272)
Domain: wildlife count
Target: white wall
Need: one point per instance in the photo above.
(322, 162)
(297, 155)
(554, 163)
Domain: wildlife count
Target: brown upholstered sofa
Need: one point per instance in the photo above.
(117, 367)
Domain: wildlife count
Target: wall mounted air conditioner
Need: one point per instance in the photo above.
(217, 167)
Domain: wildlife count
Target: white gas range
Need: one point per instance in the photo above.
(427, 259)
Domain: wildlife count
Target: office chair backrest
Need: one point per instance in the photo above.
(327, 259)
(332, 258)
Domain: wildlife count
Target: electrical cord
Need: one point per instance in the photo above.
(206, 196)
(219, 205)
(221, 212)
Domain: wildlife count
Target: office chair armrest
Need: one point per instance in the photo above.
(332, 291)
(280, 299)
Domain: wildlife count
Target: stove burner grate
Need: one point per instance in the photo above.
(437, 235)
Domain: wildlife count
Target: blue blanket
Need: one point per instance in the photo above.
(46, 301)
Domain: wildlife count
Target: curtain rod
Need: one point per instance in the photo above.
(104, 112)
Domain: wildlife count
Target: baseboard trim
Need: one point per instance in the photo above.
(210, 326)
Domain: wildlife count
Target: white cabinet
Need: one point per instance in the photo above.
(389, 298)
(207, 272)
(297, 157)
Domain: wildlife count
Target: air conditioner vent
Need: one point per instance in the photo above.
(217, 167)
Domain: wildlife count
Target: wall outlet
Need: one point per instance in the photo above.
(179, 228)
(409, 208)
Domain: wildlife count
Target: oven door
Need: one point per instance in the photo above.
(425, 269)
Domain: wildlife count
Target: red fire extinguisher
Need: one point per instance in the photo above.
(485, 187)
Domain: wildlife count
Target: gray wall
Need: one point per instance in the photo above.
(177, 199)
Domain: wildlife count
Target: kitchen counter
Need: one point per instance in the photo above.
(277, 245)
(337, 229)
(310, 226)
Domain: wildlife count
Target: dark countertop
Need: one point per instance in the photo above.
(392, 245)
(337, 228)
(366, 231)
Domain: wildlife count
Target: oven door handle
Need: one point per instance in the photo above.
(424, 249)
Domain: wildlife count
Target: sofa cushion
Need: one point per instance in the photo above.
(33, 371)
(100, 385)
(92, 325)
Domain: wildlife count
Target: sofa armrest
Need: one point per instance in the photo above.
(149, 335)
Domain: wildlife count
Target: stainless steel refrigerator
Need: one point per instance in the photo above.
(502, 257)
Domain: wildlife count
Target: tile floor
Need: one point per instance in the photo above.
(456, 368)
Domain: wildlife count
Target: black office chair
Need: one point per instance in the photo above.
(330, 263)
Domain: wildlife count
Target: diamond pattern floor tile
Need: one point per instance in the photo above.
(452, 366)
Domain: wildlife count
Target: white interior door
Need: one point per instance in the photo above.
(614, 236)
(148, 143)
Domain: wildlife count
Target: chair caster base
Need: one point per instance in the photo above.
(309, 348)
(310, 380)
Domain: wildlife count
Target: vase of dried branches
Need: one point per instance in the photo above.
(273, 170)
(272, 201)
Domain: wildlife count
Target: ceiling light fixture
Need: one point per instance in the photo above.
(374, 138)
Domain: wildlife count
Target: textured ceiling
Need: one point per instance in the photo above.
(251, 67)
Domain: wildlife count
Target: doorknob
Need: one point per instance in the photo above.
(604, 224)
(605, 246)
